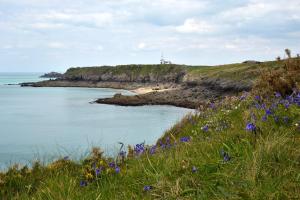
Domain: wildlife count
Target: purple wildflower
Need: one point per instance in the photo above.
(139, 148)
(194, 169)
(147, 188)
(257, 97)
(112, 164)
(153, 149)
(250, 127)
(264, 118)
(97, 171)
(162, 145)
(117, 169)
(168, 143)
(287, 105)
(225, 156)
(277, 95)
(205, 128)
(83, 183)
(268, 112)
(185, 139)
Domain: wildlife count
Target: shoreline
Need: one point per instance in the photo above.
(185, 95)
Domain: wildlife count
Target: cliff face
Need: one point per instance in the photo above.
(128, 73)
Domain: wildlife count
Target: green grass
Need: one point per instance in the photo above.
(265, 165)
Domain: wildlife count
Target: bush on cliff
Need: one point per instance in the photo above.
(283, 79)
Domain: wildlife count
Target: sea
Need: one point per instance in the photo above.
(45, 124)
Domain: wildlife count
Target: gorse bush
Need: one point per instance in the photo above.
(283, 79)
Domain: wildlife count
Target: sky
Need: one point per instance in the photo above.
(53, 35)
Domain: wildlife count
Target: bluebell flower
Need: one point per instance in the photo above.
(147, 188)
(287, 105)
(268, 112)
(277, 95)
(194, 169)
(205, 128)
(139, 148)
(250, 127)
(225, 156)
(264, 118)
(257, 97)
(117, 169)
(185, 139)
(152, 150)
(162, 145)
(83, 183)
(97, 172)
(168, 143)
(112, 164)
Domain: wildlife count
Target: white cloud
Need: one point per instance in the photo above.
(142, 45)
(256, 9)
(56, 45)
(195, 26)
(41, 25)
(100, 19)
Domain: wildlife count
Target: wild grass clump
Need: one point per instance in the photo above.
(282, 80)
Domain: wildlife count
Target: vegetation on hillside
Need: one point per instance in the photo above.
(244, 147)
(246, 72)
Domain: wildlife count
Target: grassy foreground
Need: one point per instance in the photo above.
(240, 148)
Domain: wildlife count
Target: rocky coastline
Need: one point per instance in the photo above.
(172, 87)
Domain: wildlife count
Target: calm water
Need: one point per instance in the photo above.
(46, 123)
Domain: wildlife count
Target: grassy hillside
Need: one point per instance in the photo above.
(236, 72)
(240, 148)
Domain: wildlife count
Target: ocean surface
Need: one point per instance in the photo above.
(48, 123)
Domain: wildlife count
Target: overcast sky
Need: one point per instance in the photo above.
(47, 35)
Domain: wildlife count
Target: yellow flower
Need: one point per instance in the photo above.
(88, 176)
(101, 162)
